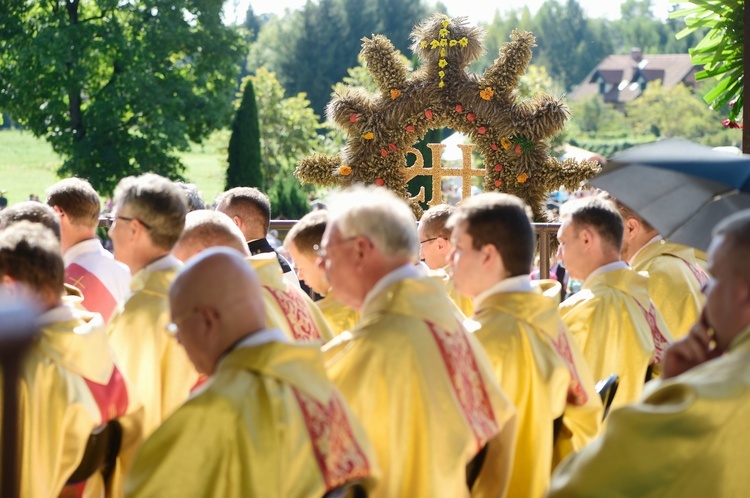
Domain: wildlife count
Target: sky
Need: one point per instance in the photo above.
(475, 10)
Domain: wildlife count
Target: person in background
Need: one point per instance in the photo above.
(535, 361)
(250, 209)
(684, 436)
(149, 215)
(193, 196)
(102, 280)
(675, 277)
(612, 317)
(419, 383)
(434, 247)
(70, 382)
(268, 422)
(302, 241)
(287, 307)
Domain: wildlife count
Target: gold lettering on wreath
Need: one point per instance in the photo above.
(437, 172)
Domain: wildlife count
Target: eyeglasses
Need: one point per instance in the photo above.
(125, 218)
(427, 240)
(322, 252)
(173, 327)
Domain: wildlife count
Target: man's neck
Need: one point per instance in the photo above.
(639, 244)
(145, 258)
(72, 236)
(599, 263)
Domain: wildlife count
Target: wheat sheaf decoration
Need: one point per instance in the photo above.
(509, 132)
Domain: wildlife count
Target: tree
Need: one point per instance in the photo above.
(595, 118)
(245, 166)
(568, 47)
(288, 128)
(117, 87)
(318, 56)
(677, 112)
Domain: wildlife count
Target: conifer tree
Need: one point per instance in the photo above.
(245, 166)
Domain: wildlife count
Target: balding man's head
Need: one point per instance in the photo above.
(211, 314)
(204, 229)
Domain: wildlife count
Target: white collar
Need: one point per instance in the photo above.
(82, 247)
(615, 265)
(519, 283)
(60, 313)
(263, 336)
(166, 262)
(654, 240)
(401, 273)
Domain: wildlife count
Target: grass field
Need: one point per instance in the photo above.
(28, 166)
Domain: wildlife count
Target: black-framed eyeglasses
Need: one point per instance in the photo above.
(118, 217)
(428, 240)
(322, 252)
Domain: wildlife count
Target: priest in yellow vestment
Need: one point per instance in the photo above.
(301, 242)
(268, 422)
(149, 215)
(287, 307)
(434, 247)
(675, 276)
(612, 317)
(421, 385)
(688, 434)
(69, 382)
(535, 361)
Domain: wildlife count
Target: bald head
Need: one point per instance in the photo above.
(212, 316)
(205, 229)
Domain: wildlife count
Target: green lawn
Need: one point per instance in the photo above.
(28, 166)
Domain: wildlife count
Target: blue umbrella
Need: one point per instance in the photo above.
(683, 156)
(682, 189)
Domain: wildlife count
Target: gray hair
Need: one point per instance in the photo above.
(158, 203)
(378, 214)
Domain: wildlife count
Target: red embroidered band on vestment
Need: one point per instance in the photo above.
(467, 381)
(338, 453)
(297, 315)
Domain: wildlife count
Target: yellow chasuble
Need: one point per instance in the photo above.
(268, 423)
(288, 308)
(541, 370)
(674, 283)
(687, 437)
(152, 360)
(618, 328)
(69, 385)
(425, 392)
(339, 316)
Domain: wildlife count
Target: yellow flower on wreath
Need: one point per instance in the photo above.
(345, 170)
(487, 93)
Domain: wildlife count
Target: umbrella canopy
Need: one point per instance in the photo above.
(682, 189)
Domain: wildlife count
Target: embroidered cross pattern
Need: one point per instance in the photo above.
(660, 342)
(96, 296)
(297, 315)
(337, 452)
(468, 384)
(576, 393)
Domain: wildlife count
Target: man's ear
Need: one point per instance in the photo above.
(238, 221)
(587, 237)
(632, 227)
